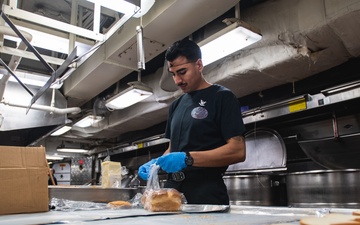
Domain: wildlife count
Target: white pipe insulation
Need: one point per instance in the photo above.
(73, 110)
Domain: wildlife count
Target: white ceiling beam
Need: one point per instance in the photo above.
(30, 55)
(25, 15)
(58, 33)
(13, 3)
(97, 14)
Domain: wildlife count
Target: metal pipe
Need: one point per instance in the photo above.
(140, 48)
(73, 110)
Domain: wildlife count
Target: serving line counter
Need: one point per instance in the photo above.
(236, 215)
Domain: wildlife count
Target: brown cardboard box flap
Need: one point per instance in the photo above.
(23, 173)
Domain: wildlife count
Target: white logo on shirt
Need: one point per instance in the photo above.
(200, 112)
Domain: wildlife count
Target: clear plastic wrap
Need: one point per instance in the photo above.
(57, 204)
(158, 199)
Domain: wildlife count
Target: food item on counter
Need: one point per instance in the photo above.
(331, 219)
(109, 171)
(356, 213)
(162, 200)
(120, 204)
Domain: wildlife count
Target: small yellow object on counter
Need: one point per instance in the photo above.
(111, 174)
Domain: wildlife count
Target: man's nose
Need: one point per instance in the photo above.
(177, 79)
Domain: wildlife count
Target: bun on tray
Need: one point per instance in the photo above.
(162, 200)
(120, 204)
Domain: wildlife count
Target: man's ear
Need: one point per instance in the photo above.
(199, 64)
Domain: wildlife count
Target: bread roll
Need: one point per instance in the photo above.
(331, 219)
(120, 204)
(162, 200)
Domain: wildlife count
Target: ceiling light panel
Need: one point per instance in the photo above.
(89, 121)
(227, 41)
(128, 97)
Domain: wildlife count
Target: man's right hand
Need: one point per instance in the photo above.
(144, 170)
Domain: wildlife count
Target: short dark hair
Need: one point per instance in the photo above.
(186, 48)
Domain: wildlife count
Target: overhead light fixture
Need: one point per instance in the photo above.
(88, 121)
(137, 92)
(227, 41)
(54, 157)
(71, 150)
(61, 131)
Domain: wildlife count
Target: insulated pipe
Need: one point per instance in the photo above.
(73, 110)
(15, 60)
(140, 48)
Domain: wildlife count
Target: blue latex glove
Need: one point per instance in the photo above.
(144, 170)
(172, 162)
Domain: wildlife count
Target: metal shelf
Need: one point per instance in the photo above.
(301, 103)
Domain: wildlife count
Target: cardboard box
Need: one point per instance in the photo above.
(23, 177)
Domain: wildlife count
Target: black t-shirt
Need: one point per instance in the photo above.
(50, 182)
(204, 120)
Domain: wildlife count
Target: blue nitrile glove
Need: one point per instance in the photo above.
(172, 162)
(144, 170)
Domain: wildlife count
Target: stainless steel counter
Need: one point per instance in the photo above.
(237, 215)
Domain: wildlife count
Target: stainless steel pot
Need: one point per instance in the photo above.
(257, 189)
(324, 188)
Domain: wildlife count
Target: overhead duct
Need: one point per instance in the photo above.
(292, 48)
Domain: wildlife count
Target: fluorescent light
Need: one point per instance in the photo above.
(119, 6)
(54, 157)
(61, 131)
(88, 121)
(227, 41)
(72, 150)
(134, 94)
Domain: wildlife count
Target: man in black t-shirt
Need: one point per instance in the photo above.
(54, 178)
(205, 129)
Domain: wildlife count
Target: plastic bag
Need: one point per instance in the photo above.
(153, 181)
(158, 199)
(58, 204)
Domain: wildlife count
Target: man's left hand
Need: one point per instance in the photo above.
(172, 162)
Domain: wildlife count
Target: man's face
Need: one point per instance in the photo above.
(186, 74)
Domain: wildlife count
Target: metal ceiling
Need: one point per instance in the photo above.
(300, 39)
